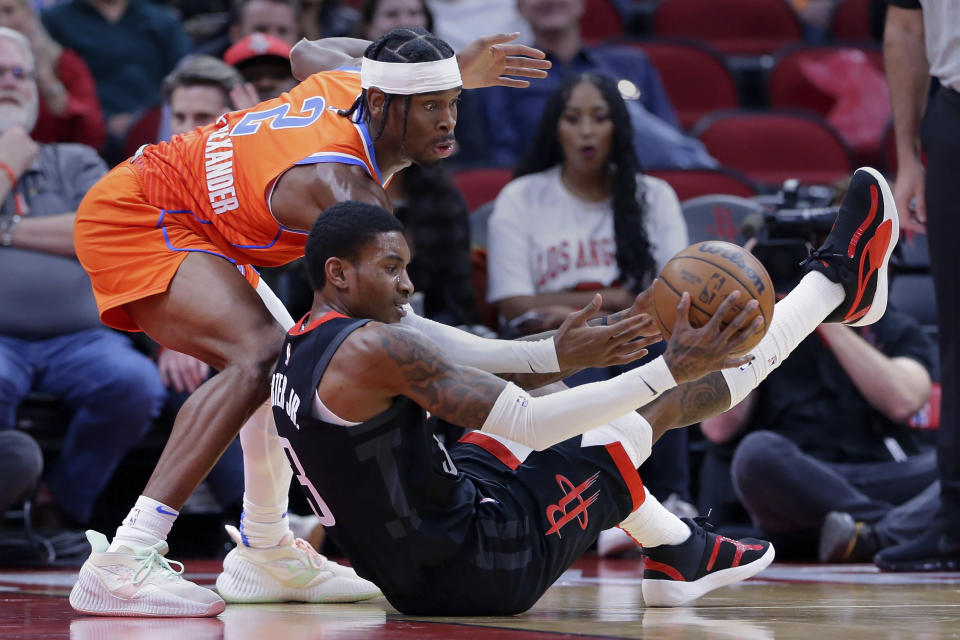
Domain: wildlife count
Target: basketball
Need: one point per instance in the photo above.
(710, 271)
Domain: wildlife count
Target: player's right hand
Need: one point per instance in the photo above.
(693, 353)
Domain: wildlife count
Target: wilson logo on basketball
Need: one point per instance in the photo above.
(558, 514)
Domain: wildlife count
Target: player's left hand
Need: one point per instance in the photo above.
(642, 304)
(491, 60)
(579, 345)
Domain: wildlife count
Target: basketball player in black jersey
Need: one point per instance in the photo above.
(487, 527)
(467, 531)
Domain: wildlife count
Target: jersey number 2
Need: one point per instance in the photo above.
(279, 118)
(316, 502)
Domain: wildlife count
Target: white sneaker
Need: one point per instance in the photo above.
(291, 571)
(138, 582)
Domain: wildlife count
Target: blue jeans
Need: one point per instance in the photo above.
(111, 390)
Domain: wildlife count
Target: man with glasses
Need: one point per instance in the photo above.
(51, 338)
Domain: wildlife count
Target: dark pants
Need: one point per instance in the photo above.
(941, 140)
(788, 491)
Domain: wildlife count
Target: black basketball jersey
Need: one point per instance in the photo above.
(385, 489)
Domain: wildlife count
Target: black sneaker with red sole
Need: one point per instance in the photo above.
(856, 252)
(674, 575)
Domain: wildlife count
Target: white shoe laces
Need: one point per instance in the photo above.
(154, 559)
(316, 559)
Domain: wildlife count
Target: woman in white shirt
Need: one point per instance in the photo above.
(580, 217)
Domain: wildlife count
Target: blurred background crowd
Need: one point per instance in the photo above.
(663, 122)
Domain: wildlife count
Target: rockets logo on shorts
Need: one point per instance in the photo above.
(558, 515)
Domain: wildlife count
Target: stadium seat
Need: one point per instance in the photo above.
(772, 146)
(790, 87)
(601, 20)
(691, 183)
(481, 185)
(742, 27)
(695, 77)
(719, 217)
(851, 20)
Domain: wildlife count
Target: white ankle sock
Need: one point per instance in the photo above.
(148, 523)
(652, 525)
(794, 318)
(263, 526)
(266, 481)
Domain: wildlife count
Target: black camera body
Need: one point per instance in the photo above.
(794, 223)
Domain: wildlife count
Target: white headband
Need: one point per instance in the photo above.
(406, 78)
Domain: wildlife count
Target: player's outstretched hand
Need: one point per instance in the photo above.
(693, 353)
(579, 345)
(491, 60)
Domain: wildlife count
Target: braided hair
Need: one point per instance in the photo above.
(409, 44)
(634, 257)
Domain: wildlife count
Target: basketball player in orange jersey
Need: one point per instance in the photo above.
(167, 239)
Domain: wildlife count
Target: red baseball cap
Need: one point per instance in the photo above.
(256, 45)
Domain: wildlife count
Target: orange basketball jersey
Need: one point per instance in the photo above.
(218, 179)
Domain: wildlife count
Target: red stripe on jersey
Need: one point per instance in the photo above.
(628, 472)
(494, 447)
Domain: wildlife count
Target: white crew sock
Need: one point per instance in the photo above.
(794, 318)
(652, 524)
(266, 481)
(148, 523)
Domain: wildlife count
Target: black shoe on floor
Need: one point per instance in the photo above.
(676, 574)
(932, 551)
(843, 539)
(856, 252)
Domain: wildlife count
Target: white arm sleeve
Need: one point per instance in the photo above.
(492, 356)
(543, 422)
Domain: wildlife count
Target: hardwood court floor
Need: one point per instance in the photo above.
(594, 599)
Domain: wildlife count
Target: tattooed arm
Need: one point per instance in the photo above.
(568, 349)
(687, 404)
(379, 362)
